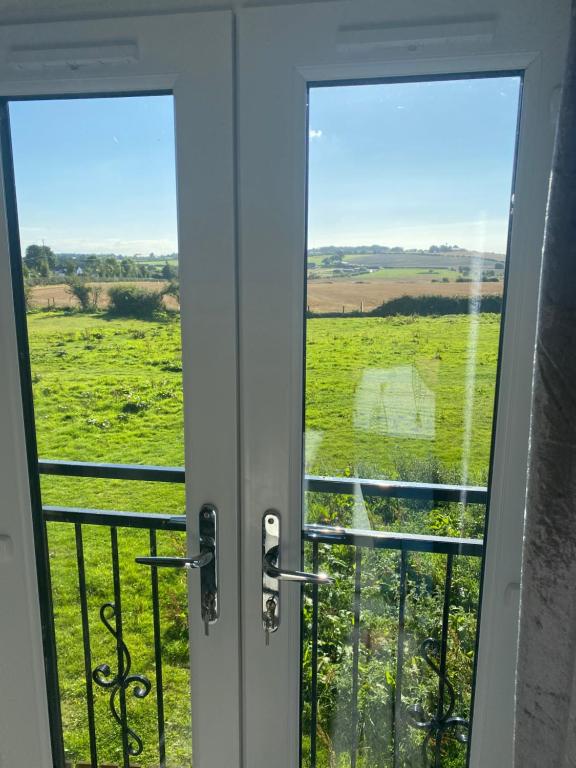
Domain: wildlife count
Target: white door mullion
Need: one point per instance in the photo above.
(205, 172)
(272, 243)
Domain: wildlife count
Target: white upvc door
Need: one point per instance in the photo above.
(191, 57)
(282, 53)
(241, 89)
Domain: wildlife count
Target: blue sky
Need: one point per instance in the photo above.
(406, 164)
(412, 164)
(96, 175)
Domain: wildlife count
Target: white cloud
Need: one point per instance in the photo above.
(67, 241)
(313, 134)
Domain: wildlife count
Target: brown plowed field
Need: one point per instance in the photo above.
(331, 296)
(323, 295)
(57, 295)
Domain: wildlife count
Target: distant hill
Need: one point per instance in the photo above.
(383, 257)
(331, 250)
(118, 256)
(465, 259)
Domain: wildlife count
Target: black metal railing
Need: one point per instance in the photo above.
(436, 492)
(118, 679)
(438, 723)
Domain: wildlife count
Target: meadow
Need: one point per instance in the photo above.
(402, 397)
(363, 281)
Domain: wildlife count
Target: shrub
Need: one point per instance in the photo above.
(82, 293)
(424, 306)
(173, 289)
(438, 305)
(96, 293)
(129, 301)
(27, 296)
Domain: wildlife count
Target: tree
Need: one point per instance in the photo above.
(334, 258)
(111, 267)
(127, 267)
(40, 259)
(43, 268)
(91, 265)
(168, 272)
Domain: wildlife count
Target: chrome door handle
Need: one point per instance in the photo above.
(282, 574)
(273, 574)
(199, 561)
(206, 561)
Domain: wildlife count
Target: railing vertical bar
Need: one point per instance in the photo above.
(158, 654)
(356, 655)
(314, 661)
(86, 642)
(119, 644)
(443, 655)
(397, 715)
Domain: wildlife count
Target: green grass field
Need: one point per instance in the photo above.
(383, 393)
(377, 390)
(397, 274)
(172, 260)
(392, 397)
(410, 274)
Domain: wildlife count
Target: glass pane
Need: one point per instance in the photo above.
(96, 194)
(409, 201)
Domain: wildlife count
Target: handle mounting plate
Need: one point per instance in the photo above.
(270, 585)
(206, 562)
(209, 599)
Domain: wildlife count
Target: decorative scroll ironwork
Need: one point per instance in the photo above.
(103, 677)
(444, 721)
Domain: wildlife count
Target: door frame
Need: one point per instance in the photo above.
(281, 52)
(191, 56)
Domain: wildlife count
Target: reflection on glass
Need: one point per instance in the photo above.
(395, 402)
(409, 198)
(95, 185)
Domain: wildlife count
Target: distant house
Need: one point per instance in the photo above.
(79, 271)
